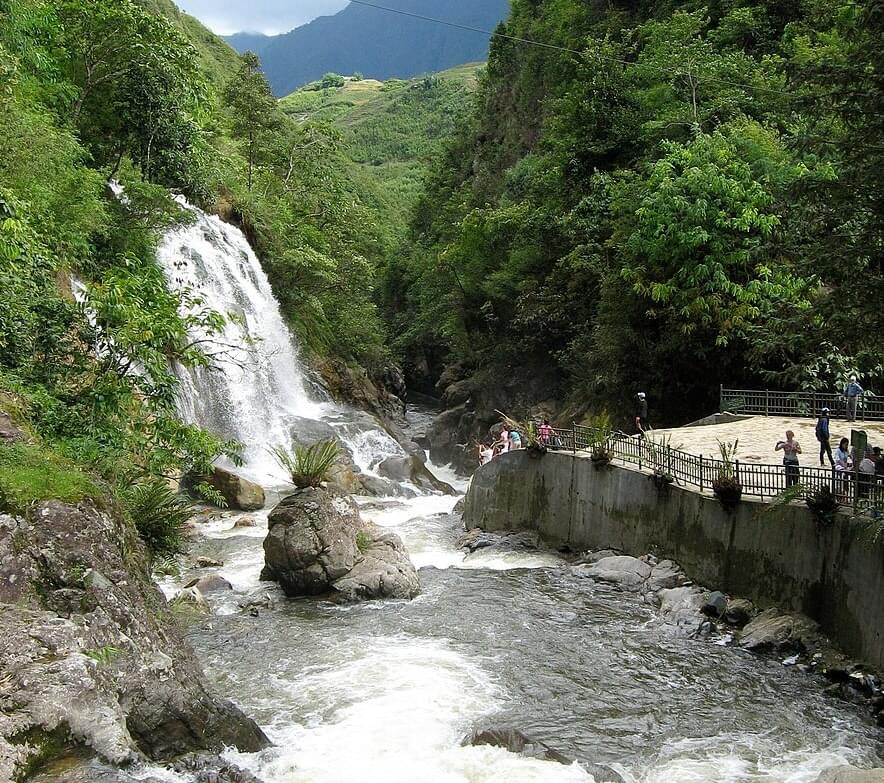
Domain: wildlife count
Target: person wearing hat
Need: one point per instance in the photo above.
(641, 413)
(822, 435)
(853, 391)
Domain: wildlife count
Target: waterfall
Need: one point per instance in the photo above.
(258, 388)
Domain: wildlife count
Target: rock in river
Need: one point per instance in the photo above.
(627, 572)
(240, 494)
(318, 544)
(847, 774)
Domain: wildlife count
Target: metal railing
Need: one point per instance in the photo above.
(763, 402)
(862, 491)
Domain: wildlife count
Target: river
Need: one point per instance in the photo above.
(385, 691)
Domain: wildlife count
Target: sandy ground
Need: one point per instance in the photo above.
(759, 434)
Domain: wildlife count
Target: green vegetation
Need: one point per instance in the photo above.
(160, 516)
(309, 465)
(690, 200)
(392, 132)
(363, 541)
(29, 473)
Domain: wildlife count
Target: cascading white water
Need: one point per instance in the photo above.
(259, 385)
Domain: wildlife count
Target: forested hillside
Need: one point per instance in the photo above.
(391, 132)
(93, 91)
(376, 42)
(682, 195)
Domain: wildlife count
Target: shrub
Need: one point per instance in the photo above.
(29, 473)
(309, 465)
(160, 516)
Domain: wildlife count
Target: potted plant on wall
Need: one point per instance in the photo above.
(657, 451)
(602, 425)
(823, 503)
(726, 484)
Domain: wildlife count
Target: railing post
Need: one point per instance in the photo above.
(767, 402)
(721, 398)
(701, 473)
(574, 436)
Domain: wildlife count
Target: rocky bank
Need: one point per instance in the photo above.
(92, 658)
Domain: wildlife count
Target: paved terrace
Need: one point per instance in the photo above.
(759, 434)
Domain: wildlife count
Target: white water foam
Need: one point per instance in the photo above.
(258, 385)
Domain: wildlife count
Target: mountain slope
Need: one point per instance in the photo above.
(377, 43)
(392, 131)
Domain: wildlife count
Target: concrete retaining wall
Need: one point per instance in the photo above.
(777, 557)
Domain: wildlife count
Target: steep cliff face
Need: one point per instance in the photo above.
(89, 651)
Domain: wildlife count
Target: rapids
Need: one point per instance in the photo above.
(385, 691)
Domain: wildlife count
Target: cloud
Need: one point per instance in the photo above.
(264, 16)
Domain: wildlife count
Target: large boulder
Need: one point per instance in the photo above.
(409, 468)
(771, 631)
(90, 650)
(240, 493)
(318, 544)
(9, 432)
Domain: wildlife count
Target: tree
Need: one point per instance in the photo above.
(252, 107)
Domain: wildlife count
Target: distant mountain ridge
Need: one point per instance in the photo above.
(376, 43)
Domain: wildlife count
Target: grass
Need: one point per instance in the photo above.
(308, 465)
(29, 473)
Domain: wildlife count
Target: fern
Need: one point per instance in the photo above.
(160, 516)
(308, 466)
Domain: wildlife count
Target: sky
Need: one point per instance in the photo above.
(263, 16)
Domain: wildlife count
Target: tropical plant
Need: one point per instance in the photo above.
(602, 425)
(160, 516)
(308, 466)
(657, 449)
(726, 484)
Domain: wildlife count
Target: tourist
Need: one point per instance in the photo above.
(878, 459)
(791, 449)
(866, 474)
(641, 413)
(843, 464)
(853, 391)
(545, 432)
(504, 442)
(486, 453)
(822, 435)
(515, 440)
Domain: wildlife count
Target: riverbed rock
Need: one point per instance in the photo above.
(318, 544)
(665, 575)
(191, 599)
(771, 631)
(516, 741)
(680, 606)
(628, 573)
(408, 468)
(208, 562)
(105, 666)
(240, 493)
(739, 612)
(476, 539)
(211, 583)
(715, 604)
(848, 774)
(246, 521)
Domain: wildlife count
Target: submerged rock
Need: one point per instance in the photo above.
(476, 539)
(247, 521)
(515, 741)
(847, 774)
(318, 544)
(411, 469)
(191, 598)
(212, 583)
(240, 493)
(97, 660)
(208, 562)
(627, 572)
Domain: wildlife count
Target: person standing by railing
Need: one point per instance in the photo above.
(641, 413)
(852, 392)
(843, 466)
(791, 449)
(822, 435)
